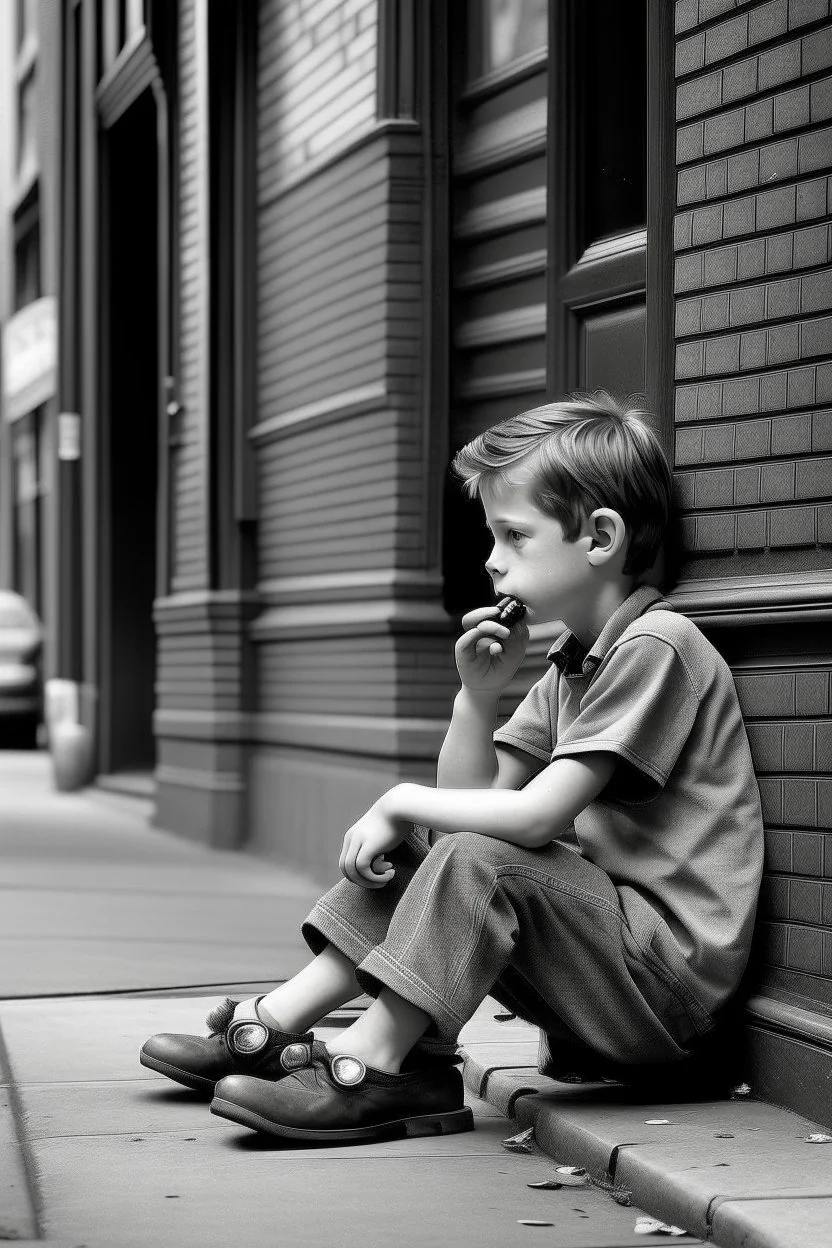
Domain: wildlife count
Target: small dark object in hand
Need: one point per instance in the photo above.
(511, 612)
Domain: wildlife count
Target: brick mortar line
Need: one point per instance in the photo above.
(710, 422)
(740, 509)
(740, 149)
(710, 22)
(751, 49)
(796, 181)
(785, 457)
(749, 283)
(744, 101)
(749, 327)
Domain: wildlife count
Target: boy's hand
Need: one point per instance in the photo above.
(365, 844)
(488, 654)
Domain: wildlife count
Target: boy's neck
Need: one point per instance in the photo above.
(599, 609)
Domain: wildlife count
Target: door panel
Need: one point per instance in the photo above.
(613, 349)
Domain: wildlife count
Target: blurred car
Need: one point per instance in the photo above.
(21, 692)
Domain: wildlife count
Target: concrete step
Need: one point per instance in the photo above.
(740, 1173)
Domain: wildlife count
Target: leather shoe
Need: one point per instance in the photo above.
(235, 1045)
(339, 1098)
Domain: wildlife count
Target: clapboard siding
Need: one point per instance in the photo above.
(189, 551)
(374, 676)
(200, 656)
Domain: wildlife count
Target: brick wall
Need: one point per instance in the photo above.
(753, 283)
(754, 290)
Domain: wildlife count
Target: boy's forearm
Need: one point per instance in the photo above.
(467, 759)
(505, 814)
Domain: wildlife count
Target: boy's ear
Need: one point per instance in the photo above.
(608, 536)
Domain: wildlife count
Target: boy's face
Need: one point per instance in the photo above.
(532, 561)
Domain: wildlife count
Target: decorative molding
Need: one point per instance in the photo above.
(134, 70)
(610, 248)
(396, 76)
(743, 600)
(389, 127)
(608, 269)
(388, 737)
(487, 275)
(507, 76)
(205, 603)
(211, 726)
(192, 778)
(385, 583)
(790, 1020)
(504, 141)
(525, 208)
(359, 402)
(503, 384)
(515, 325)
(377, 617)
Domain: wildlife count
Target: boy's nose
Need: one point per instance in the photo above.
(491, 564)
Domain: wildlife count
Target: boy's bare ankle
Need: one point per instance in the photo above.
(371, 1056)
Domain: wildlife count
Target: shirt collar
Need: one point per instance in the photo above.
(572, 657)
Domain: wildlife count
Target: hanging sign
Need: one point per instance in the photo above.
(30, 354)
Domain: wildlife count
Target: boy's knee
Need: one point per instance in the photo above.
(468, 850)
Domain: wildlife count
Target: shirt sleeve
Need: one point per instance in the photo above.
(640, 707)
(531, 726)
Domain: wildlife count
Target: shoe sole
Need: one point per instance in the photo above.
(198, 1083)
(425, 1124)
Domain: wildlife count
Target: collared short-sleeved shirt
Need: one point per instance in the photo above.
(678, 828)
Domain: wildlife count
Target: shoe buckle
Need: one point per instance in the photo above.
(348, 1071)
(295, 1055)
(246, 1038)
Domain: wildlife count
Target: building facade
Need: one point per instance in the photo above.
(302, 251)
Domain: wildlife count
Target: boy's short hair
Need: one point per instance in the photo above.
(582, 452)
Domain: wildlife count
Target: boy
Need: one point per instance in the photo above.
(594, 863)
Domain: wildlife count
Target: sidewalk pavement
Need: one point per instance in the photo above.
(97, 1151)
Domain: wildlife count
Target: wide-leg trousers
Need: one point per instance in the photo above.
(543, 931)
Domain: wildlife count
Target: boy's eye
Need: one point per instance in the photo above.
(515, 535)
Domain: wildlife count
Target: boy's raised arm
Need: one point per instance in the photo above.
(487, 656)
(468, 759)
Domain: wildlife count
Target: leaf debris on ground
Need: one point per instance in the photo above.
(818, 1138)
(652, 1226)
(532, 1222)
(657, 1122)
(741, 1090)
(523, 1142)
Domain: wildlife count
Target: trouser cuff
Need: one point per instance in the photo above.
(378, 970)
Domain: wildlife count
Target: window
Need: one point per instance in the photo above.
(505, 31)
(610, 75)
(27, 284)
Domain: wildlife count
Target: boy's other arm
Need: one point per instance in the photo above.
(530, 817)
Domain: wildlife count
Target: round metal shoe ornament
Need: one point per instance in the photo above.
(347, 1071)
(246, 1038)
(294, 1056)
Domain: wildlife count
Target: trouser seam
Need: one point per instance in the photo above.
(483, 902)
(548, 881)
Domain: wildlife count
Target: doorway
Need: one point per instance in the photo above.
(129, 441)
